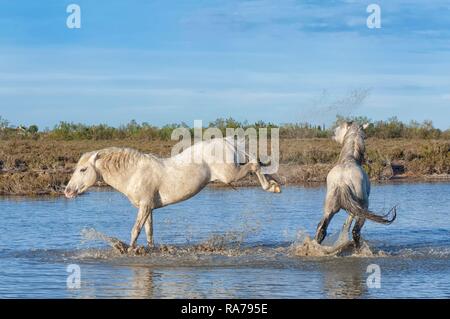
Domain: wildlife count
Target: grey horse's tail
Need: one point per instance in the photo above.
(353, 206)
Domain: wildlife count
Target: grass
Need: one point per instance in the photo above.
(44, 166)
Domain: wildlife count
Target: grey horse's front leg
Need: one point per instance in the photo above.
(149, 230)
(144, 212)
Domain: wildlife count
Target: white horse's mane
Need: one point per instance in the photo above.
(115, 159)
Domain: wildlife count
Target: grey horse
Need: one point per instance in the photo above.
(150, 182)
(348, 186)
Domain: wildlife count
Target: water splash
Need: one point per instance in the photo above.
(424, 252)
(305, 246)
(228, 244)
(311, 248)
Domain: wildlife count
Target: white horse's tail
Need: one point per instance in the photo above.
(353, 206)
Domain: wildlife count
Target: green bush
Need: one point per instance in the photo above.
(392, 128)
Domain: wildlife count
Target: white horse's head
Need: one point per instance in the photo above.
(341, 130)
(84, 176)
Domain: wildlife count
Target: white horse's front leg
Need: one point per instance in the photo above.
(144, 212)
(149, 229)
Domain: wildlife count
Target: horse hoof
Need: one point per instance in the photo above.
(275, 187)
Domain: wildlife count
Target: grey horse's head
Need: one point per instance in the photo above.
(84, 176)
(341, 131)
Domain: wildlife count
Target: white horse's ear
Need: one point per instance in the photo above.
(365, 125)
(93, 158)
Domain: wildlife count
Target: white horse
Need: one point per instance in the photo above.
(348, 186)
(150, 182)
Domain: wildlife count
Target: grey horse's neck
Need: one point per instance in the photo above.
(354, 147)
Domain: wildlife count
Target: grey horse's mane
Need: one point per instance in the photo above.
(354, 145)
(115, 159)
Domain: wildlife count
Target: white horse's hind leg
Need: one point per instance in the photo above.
(149, 230)
(244, 170)
(268, 185)
(144, 212)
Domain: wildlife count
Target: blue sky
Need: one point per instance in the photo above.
(171, 61)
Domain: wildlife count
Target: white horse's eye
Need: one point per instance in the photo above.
(83, 170)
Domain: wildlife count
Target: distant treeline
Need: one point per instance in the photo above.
(392, 128)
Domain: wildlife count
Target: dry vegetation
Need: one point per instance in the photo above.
(43, 166)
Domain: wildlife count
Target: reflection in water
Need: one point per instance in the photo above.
(142, 284)
(345, 280)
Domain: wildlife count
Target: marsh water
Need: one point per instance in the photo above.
(224, 243)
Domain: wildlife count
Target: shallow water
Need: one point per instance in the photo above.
(224, 243)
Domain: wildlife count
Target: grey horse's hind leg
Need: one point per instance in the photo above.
(149, 230)
(144, 212)
(331, 207)
(356, 232)
(321, 231)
